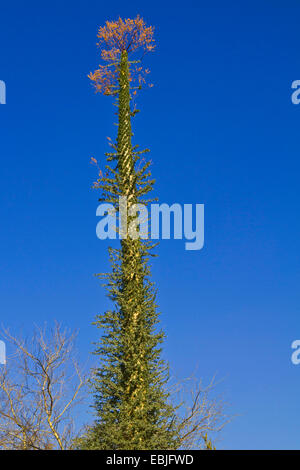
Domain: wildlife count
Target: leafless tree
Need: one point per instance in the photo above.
(40, 385)
(201, 413)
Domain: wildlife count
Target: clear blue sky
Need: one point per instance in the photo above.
(222, 131)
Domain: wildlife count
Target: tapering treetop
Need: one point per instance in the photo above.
(115, 38)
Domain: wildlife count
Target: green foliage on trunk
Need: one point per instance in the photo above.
(130, 399)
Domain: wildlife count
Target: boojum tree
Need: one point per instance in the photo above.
(132, 406)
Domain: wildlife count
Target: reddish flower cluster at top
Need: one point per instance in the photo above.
(114, 38)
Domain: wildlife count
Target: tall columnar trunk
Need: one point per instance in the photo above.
(134, 327)
(130, 400)
(124, 146)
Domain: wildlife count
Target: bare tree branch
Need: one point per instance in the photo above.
(39, 386)
(201, 413)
